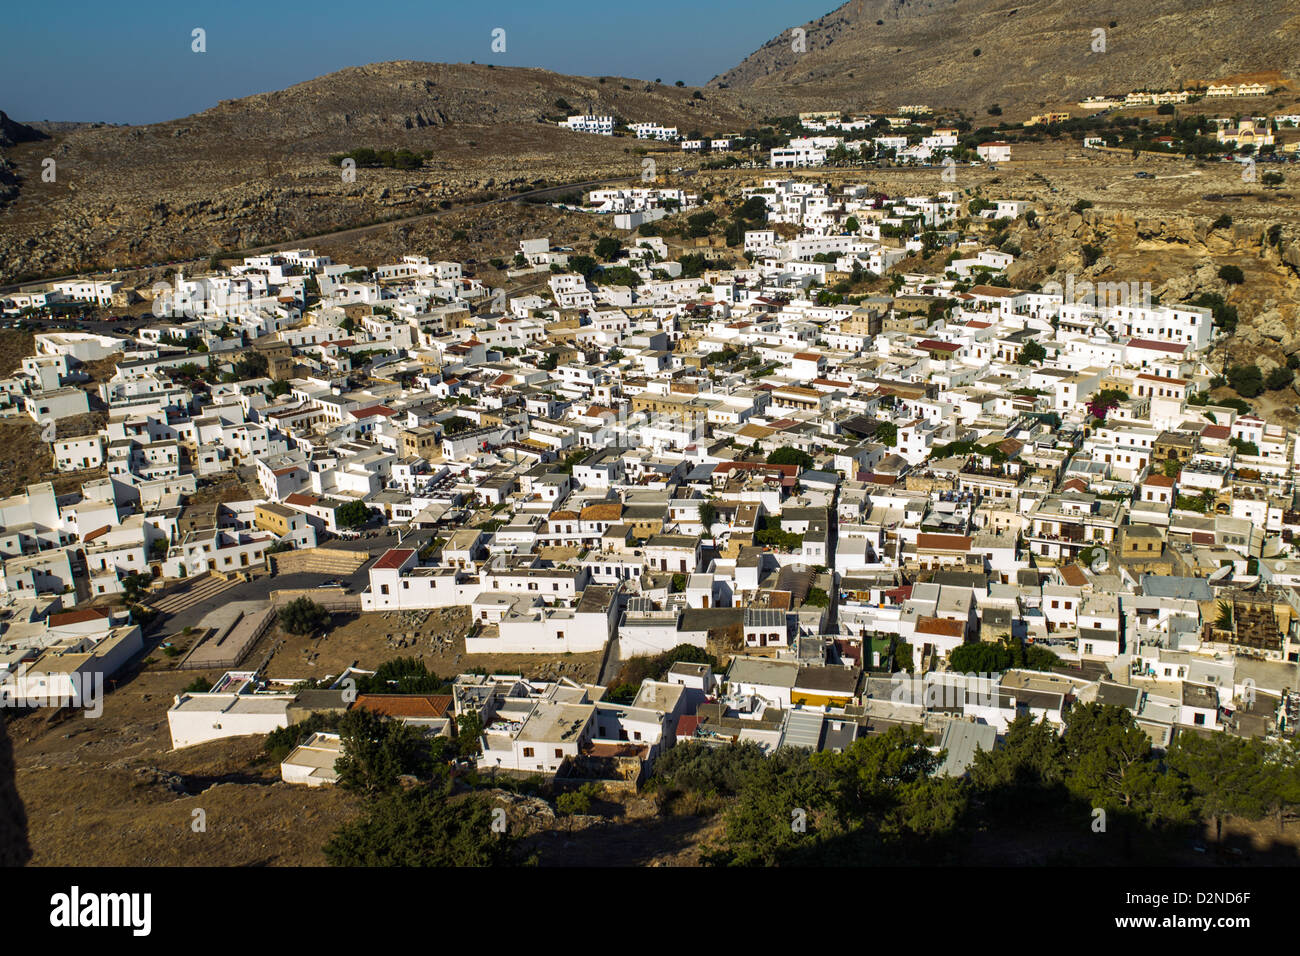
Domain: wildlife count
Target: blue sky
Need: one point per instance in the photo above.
(132, 63)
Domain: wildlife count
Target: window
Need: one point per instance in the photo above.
(528, 751)
(559, 754)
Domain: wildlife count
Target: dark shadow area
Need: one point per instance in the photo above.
(15, 849)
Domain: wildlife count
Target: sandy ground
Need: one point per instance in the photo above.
(363, 640)
(110, 791)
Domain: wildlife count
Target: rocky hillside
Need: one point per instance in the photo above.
(257, 170)
(1022, 54)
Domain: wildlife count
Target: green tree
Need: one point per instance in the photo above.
(708, 515)
(1033, 352)
(817, 597)
(1027, 768)
(1246, 380)
(607, 248)
(786, 455)
(1226, 774)
(354, 514)
(423, 826)
(577, 801)
(1232, 275)
(1279, 377)
(403, 675)
(1109, 762)
(469, 728)
(377, 751)
(303, 616)
(585, 266)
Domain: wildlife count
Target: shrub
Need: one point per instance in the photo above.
(303, 616)
(1246, 380)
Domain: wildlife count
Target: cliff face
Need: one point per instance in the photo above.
(1018, 53)
(14, 847)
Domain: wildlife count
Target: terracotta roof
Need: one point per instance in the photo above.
(1216, 432)
(932, 345)
(686, 725)
(1073, 575)
(1162, 380)
(77, 617)
(1160, 481)
(1157, 346)
(302, 500)
(606, 511)
(373, 410)
(394, 558)
(98, 532)
(943, 542)
(405, 705)
(940, 626)
(609, 748)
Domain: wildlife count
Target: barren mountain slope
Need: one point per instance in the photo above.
(257, 170)
(1019, 53)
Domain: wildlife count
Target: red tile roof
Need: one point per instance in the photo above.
(373, 410)
(940, 626)
(394, 558)
(1073, 575)
(933, 346)
(77, 617)
(405, 705)
(943, 542)
(1157, 346)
